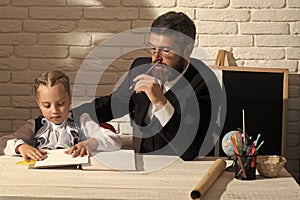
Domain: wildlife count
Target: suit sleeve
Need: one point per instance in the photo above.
(115, 105)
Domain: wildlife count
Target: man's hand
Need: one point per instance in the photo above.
(149, 85)
(28, 152)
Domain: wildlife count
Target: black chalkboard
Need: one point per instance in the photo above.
(262, 93)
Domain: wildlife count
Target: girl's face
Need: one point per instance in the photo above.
(54, 103)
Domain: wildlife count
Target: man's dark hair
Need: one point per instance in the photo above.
(179, 23)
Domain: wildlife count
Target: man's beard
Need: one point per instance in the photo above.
(167, 73)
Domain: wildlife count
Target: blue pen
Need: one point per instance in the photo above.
(256, 141)
(132, 86)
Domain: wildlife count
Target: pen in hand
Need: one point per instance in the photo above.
(132, 86)
(67, 146)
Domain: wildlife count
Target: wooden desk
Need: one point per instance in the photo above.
(173, 182)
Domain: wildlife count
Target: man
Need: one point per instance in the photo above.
(169, 103)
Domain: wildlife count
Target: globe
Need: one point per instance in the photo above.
(227, 144)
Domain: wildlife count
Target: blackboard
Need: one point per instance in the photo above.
(262, 93)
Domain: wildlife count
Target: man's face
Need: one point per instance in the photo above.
(166, 49)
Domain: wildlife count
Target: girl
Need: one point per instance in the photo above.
(56, 127)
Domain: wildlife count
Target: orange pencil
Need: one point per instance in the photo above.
(239, 158)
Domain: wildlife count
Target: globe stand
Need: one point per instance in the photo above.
(232, 167)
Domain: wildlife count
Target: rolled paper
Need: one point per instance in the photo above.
(208, 179)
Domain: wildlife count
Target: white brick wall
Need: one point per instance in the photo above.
(42, 35)
(258, 4)
(264, 28)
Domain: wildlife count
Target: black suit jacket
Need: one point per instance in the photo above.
(183, 134)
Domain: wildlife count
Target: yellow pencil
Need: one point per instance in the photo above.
(25, 162)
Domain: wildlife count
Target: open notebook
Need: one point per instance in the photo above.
(58, 158)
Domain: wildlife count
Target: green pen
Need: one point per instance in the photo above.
(259, 146)
(67, 146)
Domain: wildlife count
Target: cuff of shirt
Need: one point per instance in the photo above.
(11, 146)
(164, 114)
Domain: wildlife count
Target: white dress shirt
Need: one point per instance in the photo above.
(52, 136)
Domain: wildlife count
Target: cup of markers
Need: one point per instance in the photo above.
(245, 167)
(245, 156)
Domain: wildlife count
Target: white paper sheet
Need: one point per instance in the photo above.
(117, 160)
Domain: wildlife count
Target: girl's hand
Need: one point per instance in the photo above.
(78, 150)
(30, 152)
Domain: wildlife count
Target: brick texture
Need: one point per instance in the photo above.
(221, 28)
(6, 51)
(258, 4)
(223, 15)
(263, 28)
(17, 39)
(5, 101)
(55, 26)
(4, 2)
(41, 52)
(5, 76)
(13, 63)
(55, 13)
(293, 4)
(111, 13)
(276, 15)
(152, 3)
(65, 39)
(10, 26)
(84, 3)
(259, 53)
(13, 13)
(38, 2)
(43, 35)
(203, 4)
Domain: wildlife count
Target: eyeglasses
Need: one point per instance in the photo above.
(163, 51)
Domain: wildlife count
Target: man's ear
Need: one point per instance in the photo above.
(188, 50)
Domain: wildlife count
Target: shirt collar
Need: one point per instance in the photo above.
(63, 124)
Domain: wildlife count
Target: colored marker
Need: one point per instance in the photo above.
(236, 139)
(249, 150)
(238, 157)
(259, 146)
(256, 141)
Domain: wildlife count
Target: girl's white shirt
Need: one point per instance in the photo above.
(58, 136)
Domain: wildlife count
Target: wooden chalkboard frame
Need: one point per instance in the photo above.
(282, 71)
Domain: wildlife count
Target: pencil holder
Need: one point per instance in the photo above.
(245, 167)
